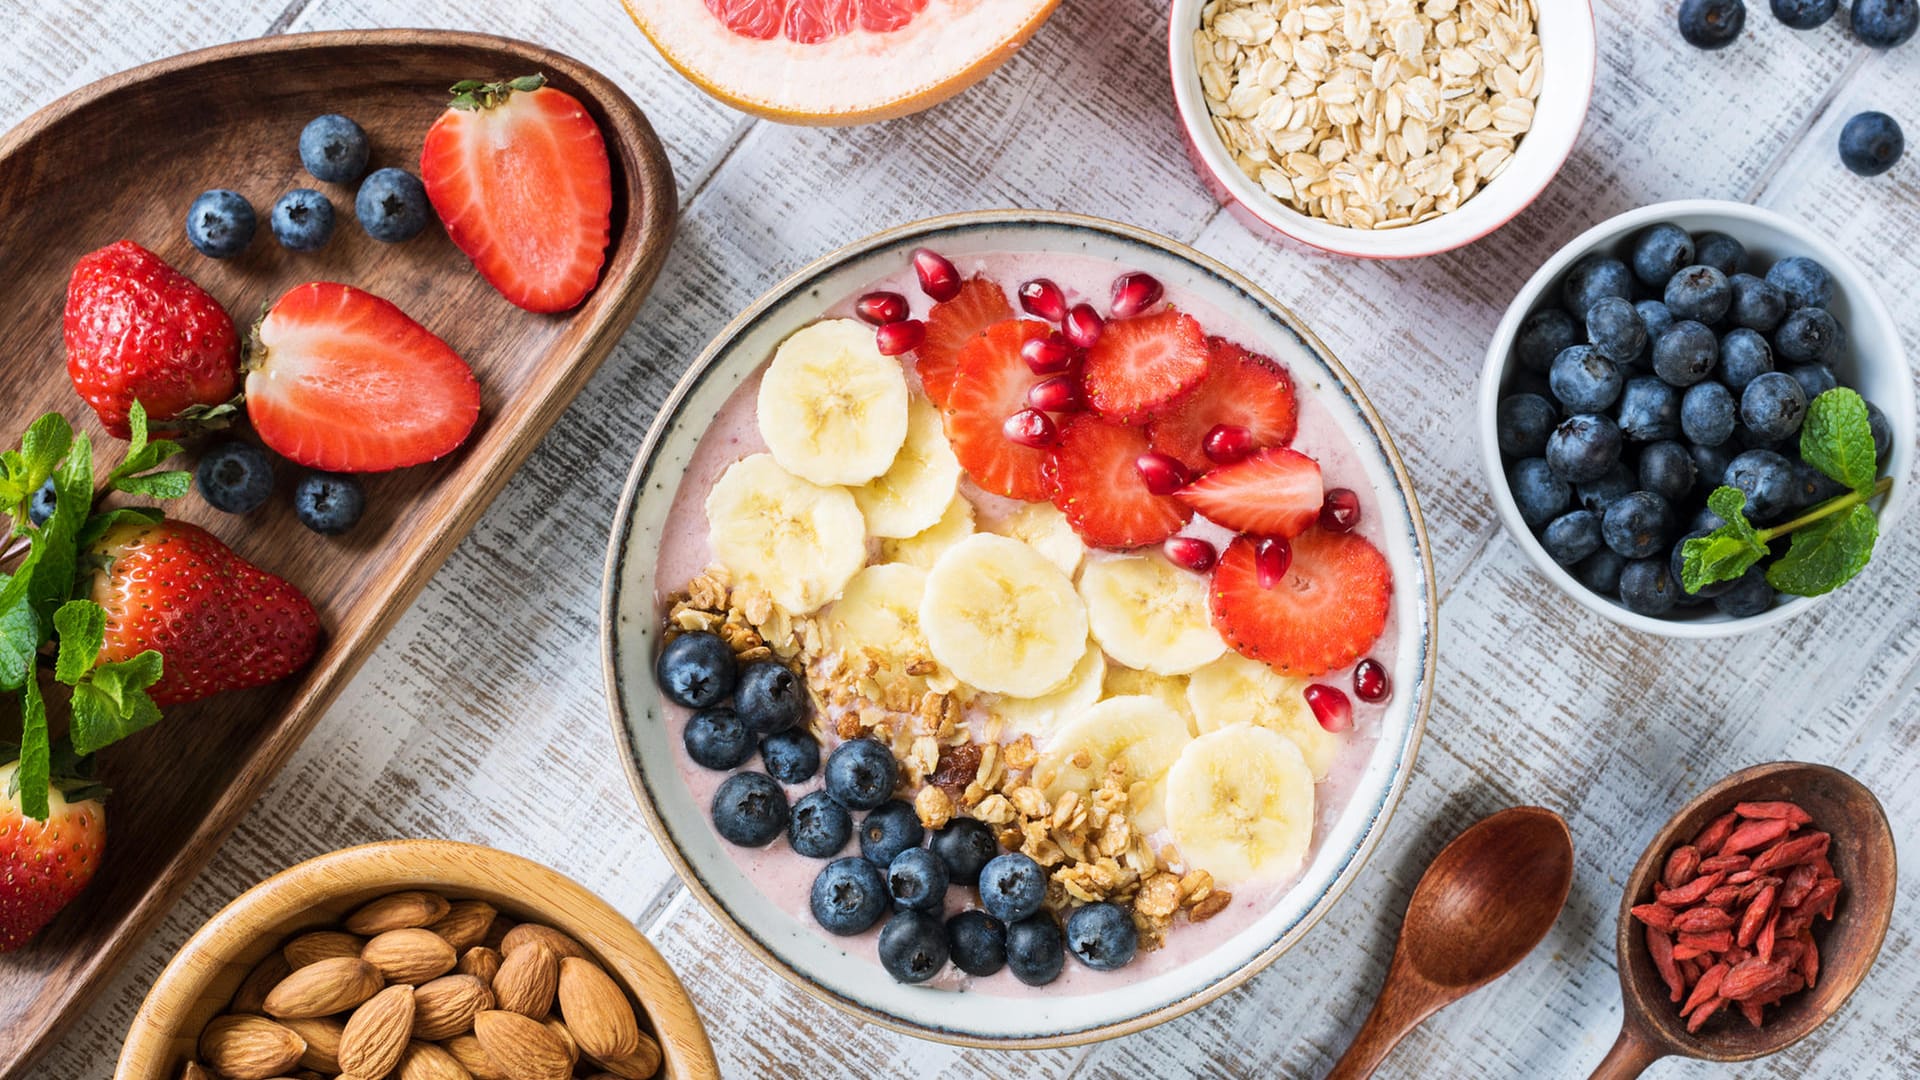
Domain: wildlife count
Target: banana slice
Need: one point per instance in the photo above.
(798, 541)
(831, 408)
(879, 611)
(1003, 618)
(1234, 689)
(1150, 614)
(915, 490)
(925, 549)
(1170, 689)
(1140, 733)
(1044, 528)
(1042, 716)
(1240, 804)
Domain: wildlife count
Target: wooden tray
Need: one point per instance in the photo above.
(123, 158)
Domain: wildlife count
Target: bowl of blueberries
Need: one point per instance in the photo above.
(1672, 352)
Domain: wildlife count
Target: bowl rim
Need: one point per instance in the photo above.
(1865, 299)
(1428, 240)
(718, 346)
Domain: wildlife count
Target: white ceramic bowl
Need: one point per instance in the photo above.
(1875, 365)
(1567, 51)
(777, 928)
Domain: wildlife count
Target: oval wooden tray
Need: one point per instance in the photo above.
(123, 158)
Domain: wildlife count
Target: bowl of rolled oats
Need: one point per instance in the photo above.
(1382, 129)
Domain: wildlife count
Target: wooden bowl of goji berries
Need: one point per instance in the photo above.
(1753, 915)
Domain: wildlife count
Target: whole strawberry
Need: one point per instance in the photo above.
(137, 329)
(45, 864)
(218, 622)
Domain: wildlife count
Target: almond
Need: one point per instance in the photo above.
(481, 962)
(252, 995)
(250, 1048)
(446, 1006)
(410, 956)
(465, 924)
(523, 1049)
(320, 945)
(528, 978)
(425, 1061)
(636, 1066)
(376, 1033)
(597, 1011)
(466, 1049)
(399, 911)
(322, 1036)
(322, 989)
(560, 1032)
(561, 944)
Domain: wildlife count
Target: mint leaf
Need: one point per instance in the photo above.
(1728, 551)
(143, 456)
(55, 551)
(161, 485)
(35, 753)
(1837, 439)
(1827, 554)
(82, 626)
(98, 524)
(43, 447)
(19, 637)
(112, 703)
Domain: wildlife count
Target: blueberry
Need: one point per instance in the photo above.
(1808, 335)
(716, 739)
(1744, 356)
(1102, 936)
(329, 503)
(1773, 405)
(334, 149)
(1638, 526)
(917, 878)
(1882, 432)
(1745, 439)
(1885, 23)
(1542, 336)
(1805, 282)
(1012, 887)
(1699, 293)
(1758, 304)
(1814, 379)
(1656, 316)
(302, 220)
(913, 946)
(1804, 14)
(1749, 596)
(1522, 423)
(1649, 410)
(697, 670)
(235, 476)
(1811, 486)
(1678, 558)
(1597, 495)
(1571, 536)
(392, 205)
(966, 845)
(1600, 571)
(1584, 380)
(1871, 143)
(40, 506)
(769, 697)
(1685, 354)
(1647, 587)
(849, 896)
(977, 942)
(1705, 521)
(750, 809)
(1583, 447)
(1712, 24)
(861, 774)
(1766, 479)
(1539, 495)
(1720, 251)
(1615, 327)
(220, 223)
(1035, 950)
(820, 827)
(1708, 414)
(1667, 470)
(1592, 278)
(1660, 252)
(1710, 465)
(791, 756)
(889, 829)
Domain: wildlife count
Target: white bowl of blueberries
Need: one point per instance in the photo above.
(1676, 351)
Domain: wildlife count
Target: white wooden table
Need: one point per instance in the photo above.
(482, 717)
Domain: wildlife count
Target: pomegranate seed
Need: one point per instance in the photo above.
(1083, 326)
(1044, 299)
(1341, 511)
(1227, 443)
(1370, 680)
(881, 308)
(1058, 394)
(1135, 293)
(1049, 355)
(1030, 427)
(1330, 707)
(1191, 552)
(1272, 558)
(900, 337)
(938, 278)
(1163, 473)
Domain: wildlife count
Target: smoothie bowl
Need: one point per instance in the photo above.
(1037, 666)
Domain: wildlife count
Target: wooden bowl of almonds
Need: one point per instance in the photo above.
(417, 960)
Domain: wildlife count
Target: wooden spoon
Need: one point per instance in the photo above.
(1862, 854)
(1486, 901)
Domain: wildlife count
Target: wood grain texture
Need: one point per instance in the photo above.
(481, 717)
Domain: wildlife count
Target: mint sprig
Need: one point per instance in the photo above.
(110, 700)
(136, 474)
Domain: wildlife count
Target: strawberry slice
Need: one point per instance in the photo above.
(1095, 483)
(1242, 389)
(518, 173)
(1144, 364)
(1324, 614)
(990, 384)
(1275, 492)
(950, 326)
(339, 379)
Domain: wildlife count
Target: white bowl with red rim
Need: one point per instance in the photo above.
(1568, 59)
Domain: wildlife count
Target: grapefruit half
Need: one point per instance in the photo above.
(837, 61)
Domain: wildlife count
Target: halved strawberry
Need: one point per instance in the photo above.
(950, 326)
(518, 173)
(1275, 492)
(1324, 614)
(990, 384)
(1095, 483)
(1144, 364)
(339, 379)
(1242, 389)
